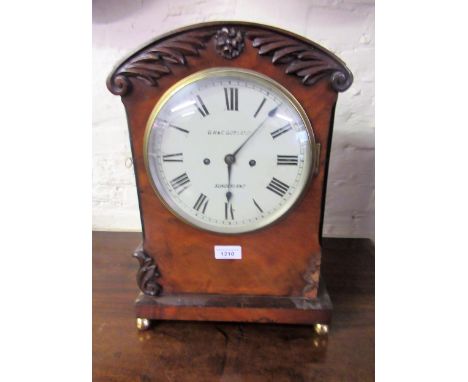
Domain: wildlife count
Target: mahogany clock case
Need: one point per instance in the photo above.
(277, 279)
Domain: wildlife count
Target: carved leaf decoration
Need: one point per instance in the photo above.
(311, 277)
(155, 60)
(308, 62)
(147, 274)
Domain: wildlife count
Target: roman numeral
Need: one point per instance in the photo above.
(179, 128)
(180, 181)
(256, 205)
(232, 98)
(201, 107)
(275, 134)
(201, 201)
(173, 157)
(290, 160)
(228, 211)
(260, 107)
(278, 187)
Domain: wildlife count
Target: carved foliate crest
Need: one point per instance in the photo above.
(229, 42)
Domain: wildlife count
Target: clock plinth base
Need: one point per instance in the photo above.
(255, 309)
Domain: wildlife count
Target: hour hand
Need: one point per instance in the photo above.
(229, 160)
(228, 194)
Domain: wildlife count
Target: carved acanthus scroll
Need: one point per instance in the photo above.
(147, 274)
(155, 60)
(308, 62)
(312, 277)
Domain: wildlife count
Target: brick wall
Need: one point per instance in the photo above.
(344, 27)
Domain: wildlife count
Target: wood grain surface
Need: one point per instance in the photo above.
(203, 351)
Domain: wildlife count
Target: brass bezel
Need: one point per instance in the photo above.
(241, 72)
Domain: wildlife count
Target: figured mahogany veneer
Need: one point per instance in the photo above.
(279, 261)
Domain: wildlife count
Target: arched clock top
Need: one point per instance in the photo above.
(295, 55)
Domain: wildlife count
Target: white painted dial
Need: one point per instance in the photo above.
(228, 150)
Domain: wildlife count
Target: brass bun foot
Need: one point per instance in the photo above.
(143, 324)
(321, 329)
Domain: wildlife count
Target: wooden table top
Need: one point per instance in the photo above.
(198, 351)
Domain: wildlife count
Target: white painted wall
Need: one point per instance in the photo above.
(344, 27)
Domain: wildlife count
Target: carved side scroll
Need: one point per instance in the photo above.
(147, 274)
(312, 277)
(156, 60)
(305, 61)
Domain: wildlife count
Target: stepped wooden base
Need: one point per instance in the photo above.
(260, 309)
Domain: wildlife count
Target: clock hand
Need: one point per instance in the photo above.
(271, 113)
(229, 193)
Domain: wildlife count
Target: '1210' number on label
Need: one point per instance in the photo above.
(228, 252)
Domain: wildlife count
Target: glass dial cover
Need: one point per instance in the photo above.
(228, 150)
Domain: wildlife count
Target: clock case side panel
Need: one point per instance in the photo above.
(135, 172)
(326, 168)
(184, 253)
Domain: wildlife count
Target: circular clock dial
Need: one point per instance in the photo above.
(228, 150)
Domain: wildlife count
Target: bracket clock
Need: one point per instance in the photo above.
(230, 126)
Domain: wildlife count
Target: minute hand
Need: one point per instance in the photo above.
(270, 114)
